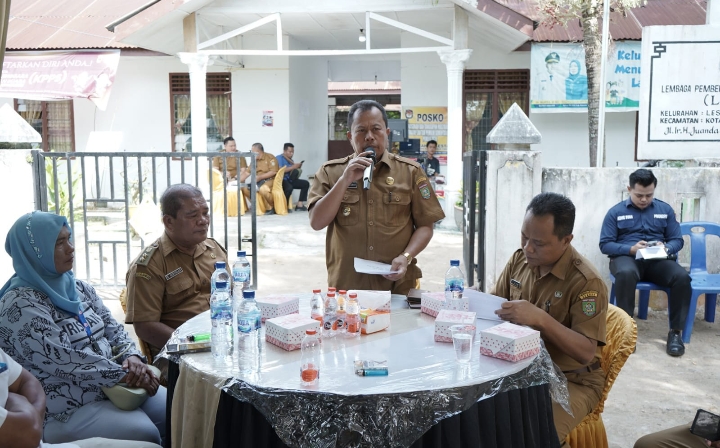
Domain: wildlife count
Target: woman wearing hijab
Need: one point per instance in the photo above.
(58, 328)
(576, 87)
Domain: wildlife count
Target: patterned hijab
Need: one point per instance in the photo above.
(31, 244)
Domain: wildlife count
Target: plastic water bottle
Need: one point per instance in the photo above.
(248, 324)
(341, 314)
(221, 336)
(317, 306)
(310, 359)
(454, 283)
(241, 274)
(330, 316)
(352, 318)
(220, 275)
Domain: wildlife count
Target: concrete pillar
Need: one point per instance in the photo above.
(197, 64)
(454, 60)
(513, 179)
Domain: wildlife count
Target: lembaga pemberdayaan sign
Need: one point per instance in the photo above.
(680, 93)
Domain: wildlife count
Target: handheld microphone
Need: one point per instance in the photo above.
(368, 173)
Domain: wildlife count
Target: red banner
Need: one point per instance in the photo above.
(60, 75)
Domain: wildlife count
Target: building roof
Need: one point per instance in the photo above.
(58, 24)
(654, 12)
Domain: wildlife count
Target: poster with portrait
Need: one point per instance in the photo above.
(267, 119)
(558, 80)
(426, 124)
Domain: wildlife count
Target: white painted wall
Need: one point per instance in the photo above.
(423, 75)
(308, 112)
(354, 69)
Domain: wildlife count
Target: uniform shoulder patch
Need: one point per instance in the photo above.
(589, 302)
(146, 255)
(423, 186)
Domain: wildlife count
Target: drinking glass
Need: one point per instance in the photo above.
(463, 336)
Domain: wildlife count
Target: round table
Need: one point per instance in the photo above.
(425, 388)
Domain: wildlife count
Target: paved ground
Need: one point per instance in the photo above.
(653, 391)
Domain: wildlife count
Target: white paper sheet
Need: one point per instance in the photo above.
(651, 252)
(483, 304)
(372, 267)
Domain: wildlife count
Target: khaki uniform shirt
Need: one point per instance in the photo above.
(168, 286)
(232, 164)
(265, 163)
(375, 224)
(573, 293)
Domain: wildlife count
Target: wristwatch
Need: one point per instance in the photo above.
(408, 256)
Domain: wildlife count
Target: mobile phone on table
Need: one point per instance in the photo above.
(706, 425)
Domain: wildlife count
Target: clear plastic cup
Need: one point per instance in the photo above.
(463, 337)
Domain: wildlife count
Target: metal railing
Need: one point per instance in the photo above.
(92, 186)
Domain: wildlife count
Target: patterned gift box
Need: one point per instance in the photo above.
(510, 342)
(432, 302)
(276, 306)
(447, 318)
(288, 331)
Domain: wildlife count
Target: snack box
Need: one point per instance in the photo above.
(276, 306)
(509, 342)
(372, 321)
(288, 331)
(432, 302)
(374, 300)
(447, 318)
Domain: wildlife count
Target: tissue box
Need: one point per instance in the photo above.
(288, 331)
(372, 321)
(276, 306)
(509, 342)
(447, 318)
(432, 302)
(372, 300)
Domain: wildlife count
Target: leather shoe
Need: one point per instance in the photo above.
(675, 346)
(301, 209)
(270, 212)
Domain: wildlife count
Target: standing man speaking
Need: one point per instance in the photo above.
(391, 221)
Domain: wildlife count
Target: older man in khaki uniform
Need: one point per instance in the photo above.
(391, 222)
(554, 289)
(169, 282)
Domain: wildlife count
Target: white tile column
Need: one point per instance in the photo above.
(712, 15)
(197, 64)
(454, 60)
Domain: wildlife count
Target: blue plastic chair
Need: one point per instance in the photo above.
(644, 302)
(702, 282)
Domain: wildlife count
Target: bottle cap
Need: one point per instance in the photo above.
(219, 265)
(331, 294)
(332, 289)
(241, 253)
(248, 294)
(316, 291)
(310, 331)
(353, 295)
(343, 292)
(221, 285)
(454, 262)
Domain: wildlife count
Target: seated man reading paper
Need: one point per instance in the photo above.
(555, 290)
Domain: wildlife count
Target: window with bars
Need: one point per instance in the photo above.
(488, 95)
(218, 112)
(53, 120)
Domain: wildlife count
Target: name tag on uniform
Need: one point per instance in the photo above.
(515, 283)
(173, 274)
(624, 217)
(353, 185)
(661, 216)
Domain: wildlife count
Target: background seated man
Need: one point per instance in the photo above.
(169, 282)
(266, 166)
(229, 145)
(555, 290)
(291, 180)
(627, 228)
(22, 412)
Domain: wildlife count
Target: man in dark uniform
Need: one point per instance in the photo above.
(392, 222)
(628, 227)
(169, 282)
(555, 290)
